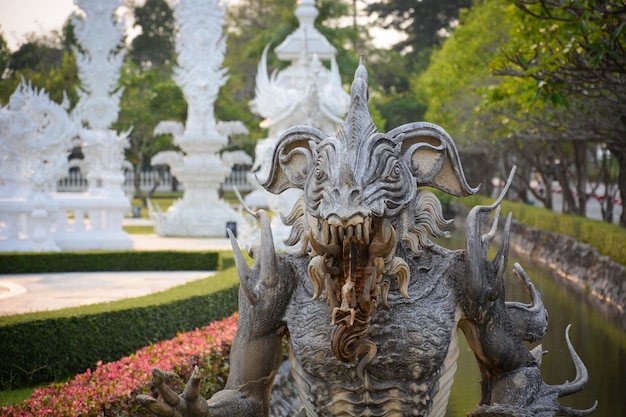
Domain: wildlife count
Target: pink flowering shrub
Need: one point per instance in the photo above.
(111, 389)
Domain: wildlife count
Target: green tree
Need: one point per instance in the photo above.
(148, 98)
(423, 21)
(454, 83)
(5, 55)
(36, 56)
(573, 56)
(502, 120)
(154, 46)
(48, 62)
(425, 24)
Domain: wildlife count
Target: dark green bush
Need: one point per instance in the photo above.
(53, 345)
(52, 349)
(608, 239)
(22, 263)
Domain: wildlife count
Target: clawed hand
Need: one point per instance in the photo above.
(188, 404)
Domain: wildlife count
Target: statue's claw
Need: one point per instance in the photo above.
(484, 276)
(545, 403)
(530, 319)
(579, 382)
(158, 408)
(264, 260)
(188, 404)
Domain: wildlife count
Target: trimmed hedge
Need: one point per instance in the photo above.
(22, 263)
(608, 239)
(53, 345)
(56, 348)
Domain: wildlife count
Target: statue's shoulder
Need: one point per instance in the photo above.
(293, 266)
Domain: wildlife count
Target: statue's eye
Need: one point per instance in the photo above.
(319, 172)
(394, 172)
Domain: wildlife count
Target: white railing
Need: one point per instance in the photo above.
(75, 182)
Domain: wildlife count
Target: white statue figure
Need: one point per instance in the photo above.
(200, 168)
(35, 139)
(305, 93)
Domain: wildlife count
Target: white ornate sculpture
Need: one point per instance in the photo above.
(200, 47)
(35, 138)
(99, 62)
(99, 34)
(305, 93)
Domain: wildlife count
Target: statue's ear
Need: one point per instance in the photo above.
(293, 158)
(432, 157)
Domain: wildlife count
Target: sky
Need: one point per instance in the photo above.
(20, 17)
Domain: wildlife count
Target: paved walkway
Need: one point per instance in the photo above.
(24, 293)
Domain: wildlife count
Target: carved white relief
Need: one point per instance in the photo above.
(35, 138)
(99, 61)
(104, 149)
(36, 135)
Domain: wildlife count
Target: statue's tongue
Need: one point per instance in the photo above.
(357, 290)
(355, 285)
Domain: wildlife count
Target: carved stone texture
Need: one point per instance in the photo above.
(304, 93)
(371, 306)
(200, 168)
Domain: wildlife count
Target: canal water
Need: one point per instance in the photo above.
(599, 340)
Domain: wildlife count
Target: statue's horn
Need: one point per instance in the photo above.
(266, 253)
(243, 270)
(530, 319)
(358, 123)
(576, 385)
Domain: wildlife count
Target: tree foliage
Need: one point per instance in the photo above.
(5, 55)
(154, 46)
(47, 61)
(422, 21)
(569, 58)
(424, 24)
(454, 84)
(498, 108)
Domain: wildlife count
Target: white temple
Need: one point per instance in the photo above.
(37, 135)
(200, 47)
(304, 93)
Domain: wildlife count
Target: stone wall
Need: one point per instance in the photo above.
(578, 263)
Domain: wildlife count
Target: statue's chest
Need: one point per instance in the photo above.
(411, 339)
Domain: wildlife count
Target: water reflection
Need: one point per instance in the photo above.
(600, 342)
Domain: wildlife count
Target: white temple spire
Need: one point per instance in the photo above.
(316, 43)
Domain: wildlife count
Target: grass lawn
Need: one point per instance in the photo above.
(15, 396)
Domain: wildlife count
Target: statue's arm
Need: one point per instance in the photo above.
(512, 384)
(264, 293)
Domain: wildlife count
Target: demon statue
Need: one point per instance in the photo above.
(371, 307)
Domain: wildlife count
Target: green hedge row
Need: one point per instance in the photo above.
(55, 348)
(608, 239)
(53, 345)
(22, 263)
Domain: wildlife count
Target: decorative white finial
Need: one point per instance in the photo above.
(306, 12)
(306, 37)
